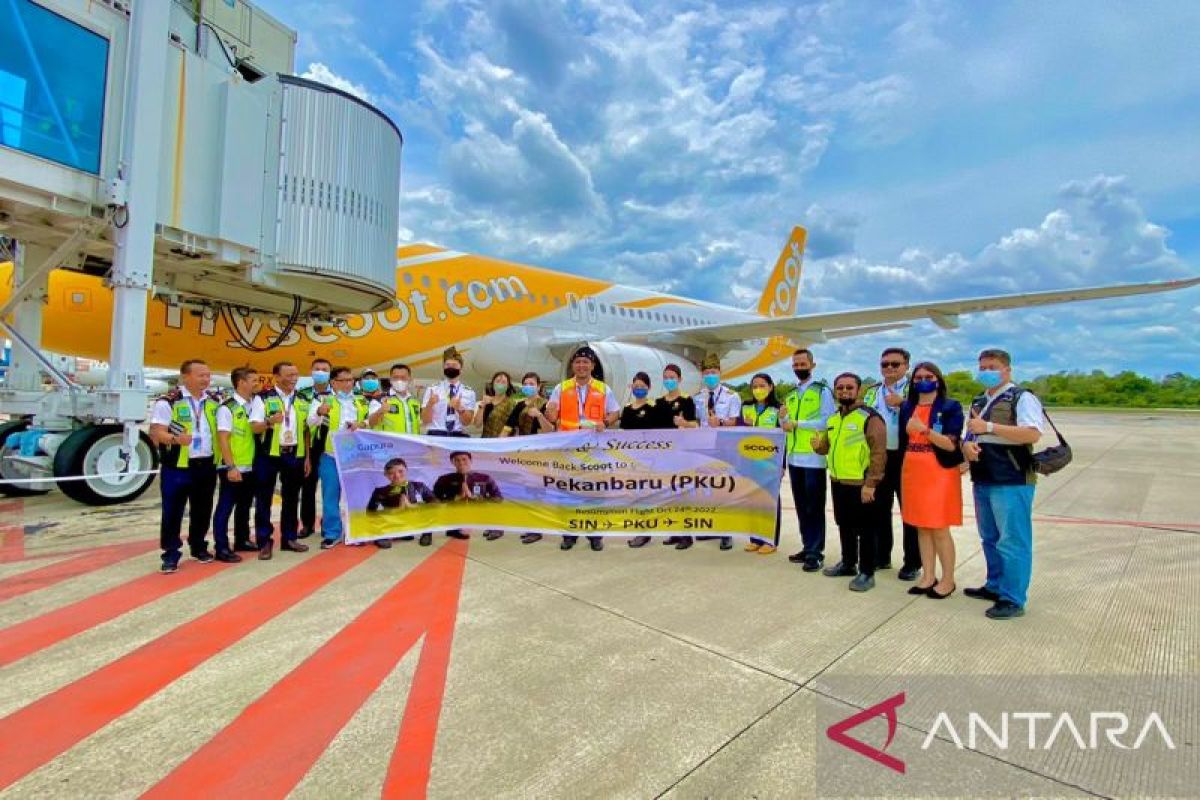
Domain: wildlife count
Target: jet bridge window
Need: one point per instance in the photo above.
(52, 82)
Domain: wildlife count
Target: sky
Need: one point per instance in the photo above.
(932, 150)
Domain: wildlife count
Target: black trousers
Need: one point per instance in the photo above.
(308, 489)
(234, 499)
(858, 526)
(288, 470)
(887, 492)
(191, 488)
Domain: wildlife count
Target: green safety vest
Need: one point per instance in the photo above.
(361, 407)
(273, 404)
(804, 407)
(769, 418)
(181, 414)
(849, 453)
(241, 438)
(401, 416)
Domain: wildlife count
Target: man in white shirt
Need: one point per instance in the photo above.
(886, 397)
(316, 444)
(283, 457)
(239, 421)
(182, 424)
(717, 406)
(1005, 423)
(449, 407)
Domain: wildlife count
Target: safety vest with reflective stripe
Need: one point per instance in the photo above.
(401, 415)
(181, 414)
(803, 407)
(273, 404)
(568, 403)
(849, 452)
(768, 418)
(241, 438)
(361, 407)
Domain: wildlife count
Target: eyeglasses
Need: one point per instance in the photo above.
(893, 364)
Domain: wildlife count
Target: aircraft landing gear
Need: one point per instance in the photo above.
(100, 450)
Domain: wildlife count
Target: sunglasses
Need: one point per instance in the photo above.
(886, 364)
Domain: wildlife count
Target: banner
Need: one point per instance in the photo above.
(705, 482)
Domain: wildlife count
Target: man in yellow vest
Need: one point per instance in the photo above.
(239, 420)
(855, 447)
(182, 424)
(282, 457)
(583, 403)
(344, 411)
(316, 445)
(805, 412)
(399, 411)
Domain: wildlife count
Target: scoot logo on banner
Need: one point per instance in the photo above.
(757, 448)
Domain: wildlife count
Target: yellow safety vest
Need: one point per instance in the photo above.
(804, 407)
(849, 453)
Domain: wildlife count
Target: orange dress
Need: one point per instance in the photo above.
(932, 493)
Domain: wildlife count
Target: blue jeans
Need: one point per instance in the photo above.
(1005, 517)
(331, 499)
(808, 490)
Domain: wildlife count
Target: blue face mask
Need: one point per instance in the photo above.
(640, 393)
(925, 387)
(528, 391)
(990, 378)
(320, 376)
(370, 384)
(712, 381)
(670, 384)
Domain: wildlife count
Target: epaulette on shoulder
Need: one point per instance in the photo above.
(172, 395)
(229, 402)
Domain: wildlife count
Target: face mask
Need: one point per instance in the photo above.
(712, 381)
(760, 393)
(320, 376)
(452, 372)
(924, 387)
(846, 402)
(670, 384)
(501, 388)
(400, 386)
(529, 391)
(990, 378)
(803, 374)
(370, 385)
(640, 393)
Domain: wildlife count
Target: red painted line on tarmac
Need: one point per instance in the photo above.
(12, 545)
(79, 550)
(26, 638)
(95, 559)
(289, 727)
(48, 727)
(412, 760)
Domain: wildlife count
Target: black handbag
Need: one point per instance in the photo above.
(949, 458)
(1052, 459)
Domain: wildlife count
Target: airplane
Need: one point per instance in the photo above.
(508, 316)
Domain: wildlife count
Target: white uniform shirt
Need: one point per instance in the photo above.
(254, 409)
(891, 416)
(444, 418)
(202, 437)
(1029, 415)
(611, 404)
(726, 404)
(818, 425)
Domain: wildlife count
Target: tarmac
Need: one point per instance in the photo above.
(492, 669)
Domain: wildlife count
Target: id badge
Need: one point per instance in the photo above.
(287, 437)
(937, 427)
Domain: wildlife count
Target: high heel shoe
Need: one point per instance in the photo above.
(933, 592)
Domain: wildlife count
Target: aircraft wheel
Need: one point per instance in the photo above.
(11, 470)
(96, 450)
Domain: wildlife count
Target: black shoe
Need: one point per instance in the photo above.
(383, 544)
(597, 544)
(670, 540)
(684, 543)
(425, 540)
(169, 565)
(458, 535)
(566, 544)
(492, 536)
(639, 541)
(203, 556)
(886, 565)
(920, 589)
(840, 570)
(294, 546)
(798, 558)
(326, 544)
(530, 538)
(982, 593)
(862, 582)
(406, 538)
(1005, 610)
(264, 552)
(908, 573)
(934, 594)
(726, 542)
(812, 564)
(304, 534)
(228, 558)
(244, 547)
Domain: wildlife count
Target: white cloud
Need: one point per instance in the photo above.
(322, 74)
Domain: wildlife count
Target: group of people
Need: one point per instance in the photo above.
(902, 440)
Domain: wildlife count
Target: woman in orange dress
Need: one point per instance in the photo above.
(931, 482)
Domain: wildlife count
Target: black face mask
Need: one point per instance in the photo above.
(452, 372)
(803, 374)
(846, 402)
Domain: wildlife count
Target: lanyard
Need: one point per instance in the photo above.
(582, 398)
(288, 402)
(197, 410)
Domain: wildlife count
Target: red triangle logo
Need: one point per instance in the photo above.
(887, 708)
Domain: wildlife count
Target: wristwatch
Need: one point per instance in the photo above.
(991, 428)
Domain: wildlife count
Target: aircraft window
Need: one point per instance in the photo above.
(622, 311)
(425, 281)
(545, 300)
(558, 302)
(641, 314)
(408, 278)
(443, 284)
